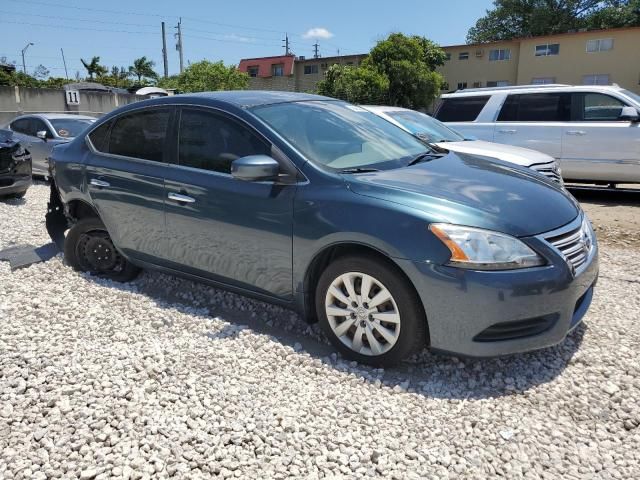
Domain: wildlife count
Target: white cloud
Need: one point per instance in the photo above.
(317, 32)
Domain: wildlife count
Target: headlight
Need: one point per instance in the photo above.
(479, 249)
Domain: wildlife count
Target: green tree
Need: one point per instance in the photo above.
(408, 63)
(54, 82)
(354, 84)
(143, 68)
(18, 79)
(94, 68)
(525, 18)
(118, 77)
(40, 72)
(207, 76)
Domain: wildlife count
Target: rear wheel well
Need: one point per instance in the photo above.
(328, 255)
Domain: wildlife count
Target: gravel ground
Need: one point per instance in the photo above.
(164, 377)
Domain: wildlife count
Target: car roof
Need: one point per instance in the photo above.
(253, 98)
(386, 108)
(474, 92)
(56, 116)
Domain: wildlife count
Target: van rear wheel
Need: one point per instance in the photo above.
(88, 248)
(370, 311)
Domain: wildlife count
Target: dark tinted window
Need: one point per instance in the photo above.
(211, 141)
(461, 109)
(140, 134)
(536, 107)
(21, 126)
(100, 137)
(37, 125)
(597, 107)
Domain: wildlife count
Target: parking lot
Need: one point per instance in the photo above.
(167, 377)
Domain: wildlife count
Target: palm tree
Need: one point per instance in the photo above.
(94, 67)
(119, 75)
(143, 68)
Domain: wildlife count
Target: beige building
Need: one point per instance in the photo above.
(599, 57)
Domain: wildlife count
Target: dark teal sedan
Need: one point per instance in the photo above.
(323, 207)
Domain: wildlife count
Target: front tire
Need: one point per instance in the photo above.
(370, 311)
(88, 248)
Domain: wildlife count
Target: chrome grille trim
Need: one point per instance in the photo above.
(574, 242)
(549, 170)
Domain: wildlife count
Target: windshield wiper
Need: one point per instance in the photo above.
(424, 156)
(358, 170)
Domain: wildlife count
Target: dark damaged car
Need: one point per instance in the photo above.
(322, 206)
(15, 166)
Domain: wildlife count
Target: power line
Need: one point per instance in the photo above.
(80, 28)
(75, 19)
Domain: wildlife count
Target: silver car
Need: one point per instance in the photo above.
(40, 132)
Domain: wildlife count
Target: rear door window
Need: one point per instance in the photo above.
(141, 134)
(536, 107)
(461, 109)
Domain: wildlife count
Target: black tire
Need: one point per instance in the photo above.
(76, 243)
(412, 335)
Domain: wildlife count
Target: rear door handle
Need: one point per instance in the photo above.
(576, 132)
(99, 183)
(507, 130)
(178, 197)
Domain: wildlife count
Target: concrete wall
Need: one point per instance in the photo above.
(16, 101)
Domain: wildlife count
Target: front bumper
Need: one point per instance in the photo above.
(10, 184)
(468, 312)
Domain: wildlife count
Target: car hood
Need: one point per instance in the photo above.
(508, 153)
(466, 190)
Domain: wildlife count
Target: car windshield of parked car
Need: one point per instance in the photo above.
(634, 96)
(341, 136)
(425, 127)
(70, 127)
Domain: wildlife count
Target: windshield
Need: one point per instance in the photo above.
(70, 127)
(341, 136)
(634, 96)
(425, 127)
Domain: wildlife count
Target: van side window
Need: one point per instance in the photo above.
(597, 107)
(536, 107)
(211, 141)
(140, 134)
(461, 109)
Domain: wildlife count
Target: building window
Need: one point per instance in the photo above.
(599, 45)
(499, 54)
(542, 80)
(277, 70)
(596, 79)
(462, 85)
(463, 56)
(498, 83)
(477, 84)
(547, 49)
(310, 69)
(253, 71)
(447, 57)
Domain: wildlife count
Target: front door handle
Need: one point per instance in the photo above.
(99, 183)
(576, 132)
(507, 130)
(178, 197)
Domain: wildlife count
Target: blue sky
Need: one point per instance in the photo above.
(120, 30)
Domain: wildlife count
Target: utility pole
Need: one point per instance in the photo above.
(24, 65)
(164, 52)
(179, 44)
(64, 62)
(315, 50)
(286, 44)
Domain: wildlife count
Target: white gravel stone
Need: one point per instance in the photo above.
(164, 377)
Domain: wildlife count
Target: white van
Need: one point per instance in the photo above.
(592, 130)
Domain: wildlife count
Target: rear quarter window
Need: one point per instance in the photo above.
(461, 109)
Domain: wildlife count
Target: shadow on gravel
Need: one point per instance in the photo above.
(427, 374)
(607, 197)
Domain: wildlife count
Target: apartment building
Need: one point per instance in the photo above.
(597, 57)
(291, 73)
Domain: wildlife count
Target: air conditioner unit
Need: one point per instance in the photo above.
(479, 53)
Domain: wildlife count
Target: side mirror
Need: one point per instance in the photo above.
(629, 114)
(255, 168)
(42, 135)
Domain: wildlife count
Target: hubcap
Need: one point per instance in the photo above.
(362, 313)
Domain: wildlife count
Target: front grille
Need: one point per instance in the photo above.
(574, 245)
(518, 329)
(549, 170)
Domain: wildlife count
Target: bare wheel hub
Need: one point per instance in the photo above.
(97, 253)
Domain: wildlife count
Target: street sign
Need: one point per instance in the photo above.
(73, 97)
